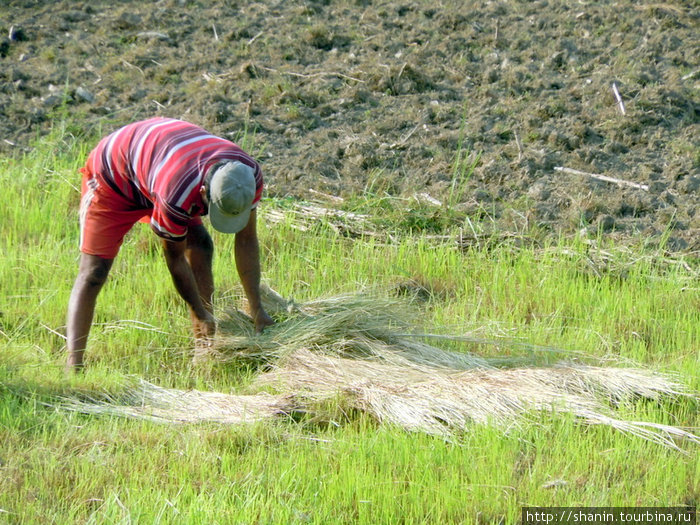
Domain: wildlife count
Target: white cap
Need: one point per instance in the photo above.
(231, 195)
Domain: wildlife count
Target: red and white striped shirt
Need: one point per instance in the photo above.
(159, 165)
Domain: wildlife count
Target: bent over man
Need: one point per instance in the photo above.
(168, 173)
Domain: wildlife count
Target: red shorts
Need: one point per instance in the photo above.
(106, 217)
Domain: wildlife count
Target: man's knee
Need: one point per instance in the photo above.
(199, 239)
(94, 271)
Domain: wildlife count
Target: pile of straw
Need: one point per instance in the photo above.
(440, 401)
(144, 400)
(362, 350)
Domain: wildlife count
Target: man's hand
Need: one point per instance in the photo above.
(204, 327)
(261, 320)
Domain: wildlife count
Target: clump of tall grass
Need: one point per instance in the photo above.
(359, 326)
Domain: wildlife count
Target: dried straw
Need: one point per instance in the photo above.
(151, 402)
(440, 401)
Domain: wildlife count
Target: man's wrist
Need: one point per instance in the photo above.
(201, 313)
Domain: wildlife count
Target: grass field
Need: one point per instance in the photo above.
(621, 305)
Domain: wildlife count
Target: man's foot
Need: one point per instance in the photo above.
(75, 361)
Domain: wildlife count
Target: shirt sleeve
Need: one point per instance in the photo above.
(168, 221)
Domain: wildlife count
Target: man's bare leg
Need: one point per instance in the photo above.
(91, 277)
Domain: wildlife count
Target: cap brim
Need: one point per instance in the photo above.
(226, 223)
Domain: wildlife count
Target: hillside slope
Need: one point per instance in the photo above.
(395, 97)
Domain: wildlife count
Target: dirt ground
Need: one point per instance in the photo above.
(396, 98)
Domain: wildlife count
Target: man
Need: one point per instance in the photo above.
(169, 173)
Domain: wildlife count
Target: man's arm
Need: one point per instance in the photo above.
(247, 253)
(186, 285)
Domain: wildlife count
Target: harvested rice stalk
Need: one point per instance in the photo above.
(154, 403)
(440, 401)
(356, 325)
(413, 396)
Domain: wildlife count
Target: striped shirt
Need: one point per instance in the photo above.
(159, 165)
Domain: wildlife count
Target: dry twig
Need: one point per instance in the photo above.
(312, 75)
(604, 178)
(620, 104)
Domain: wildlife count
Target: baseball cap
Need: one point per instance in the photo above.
(231, 194)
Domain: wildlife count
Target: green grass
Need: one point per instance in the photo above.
(60, 467)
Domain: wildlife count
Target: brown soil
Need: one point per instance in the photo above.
(395, 98)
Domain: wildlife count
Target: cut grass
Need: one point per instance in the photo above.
(578, 296)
